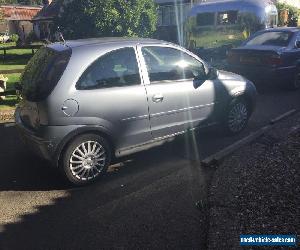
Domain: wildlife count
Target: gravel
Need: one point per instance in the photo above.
(256, 190)
(6, 115)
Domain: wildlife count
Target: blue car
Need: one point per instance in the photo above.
(269, 56)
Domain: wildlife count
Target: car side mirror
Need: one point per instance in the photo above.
(298, 44)
(212, 73)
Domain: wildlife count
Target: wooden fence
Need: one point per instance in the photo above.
(32, 47)
(11, 71)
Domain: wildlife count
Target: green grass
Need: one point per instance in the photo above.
(16, 59)
(13, 63)
(12, 79)
(212, 39)
(14, 51)
(17, 52)
(2, 45)
(9, 103)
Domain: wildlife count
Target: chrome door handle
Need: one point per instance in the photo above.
(158, 98)
(63, 108)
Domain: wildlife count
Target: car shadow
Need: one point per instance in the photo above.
(146, 200)
(21, 170)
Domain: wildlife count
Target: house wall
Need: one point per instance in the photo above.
(3, 26)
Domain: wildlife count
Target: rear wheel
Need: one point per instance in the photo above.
(86, 159)
(237, 116)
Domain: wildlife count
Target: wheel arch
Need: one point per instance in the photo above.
(101, 131)
(242, 95)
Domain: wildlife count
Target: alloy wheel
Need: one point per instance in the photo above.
(88, 160)
(237, 118)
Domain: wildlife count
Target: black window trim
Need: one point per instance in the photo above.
(134, 47)
(171, 81)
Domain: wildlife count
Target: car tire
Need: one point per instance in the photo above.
(236, 116)
(86, 159)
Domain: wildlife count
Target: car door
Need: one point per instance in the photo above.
(111, 91)
(177, 101)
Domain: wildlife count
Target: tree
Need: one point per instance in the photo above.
(88, 18)
(293, 14)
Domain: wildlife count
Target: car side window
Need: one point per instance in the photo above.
(114, 69)
(169, 64)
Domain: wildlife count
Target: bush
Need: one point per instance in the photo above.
(14, 37)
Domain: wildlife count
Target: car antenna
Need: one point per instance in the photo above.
(60, 36)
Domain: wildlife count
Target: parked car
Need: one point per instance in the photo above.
(4, 37)
(271, 55)
(87, 101)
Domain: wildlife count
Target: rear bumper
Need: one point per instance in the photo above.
(266, 74)
(33, 140)
(44, 141)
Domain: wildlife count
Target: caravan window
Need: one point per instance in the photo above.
(227, 17)
(205, 19)
(168, 14)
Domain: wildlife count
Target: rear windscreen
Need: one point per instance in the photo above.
(43, 72)
(276, 38)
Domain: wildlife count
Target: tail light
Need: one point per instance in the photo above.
(232, 57)
(273, 60)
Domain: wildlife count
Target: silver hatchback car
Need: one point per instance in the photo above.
(87, 101)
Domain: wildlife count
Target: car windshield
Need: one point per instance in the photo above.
(276, 38)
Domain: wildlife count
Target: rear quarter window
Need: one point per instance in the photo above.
(118, 68)
(43, 72)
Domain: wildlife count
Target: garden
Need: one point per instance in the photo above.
(13, 60)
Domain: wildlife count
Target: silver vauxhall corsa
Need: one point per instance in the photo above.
(87, 101)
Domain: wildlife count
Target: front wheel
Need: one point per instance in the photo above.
(236, 117)
(86, 159)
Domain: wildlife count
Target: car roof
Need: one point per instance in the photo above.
(105, 41)
(290, 29)
(111, 40)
